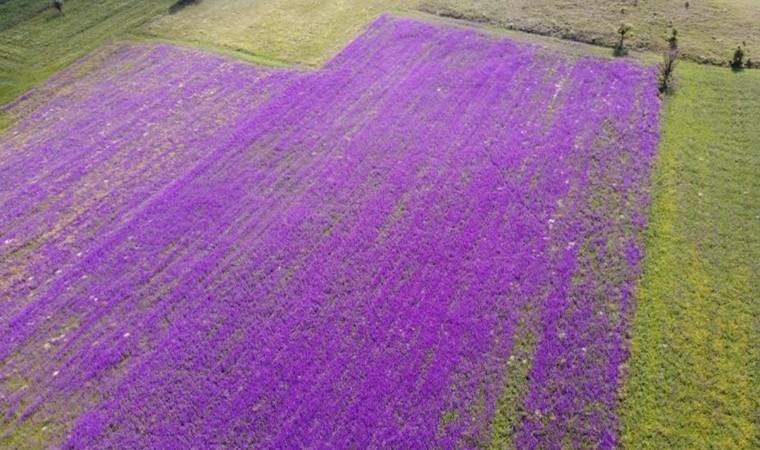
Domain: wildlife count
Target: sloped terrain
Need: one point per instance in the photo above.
(708, 30)
(434, 239)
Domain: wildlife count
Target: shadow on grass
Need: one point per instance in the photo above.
(179, 5)
(619, 52)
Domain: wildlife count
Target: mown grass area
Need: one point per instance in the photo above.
(695, 363)
(36, 41)
(708, 30)
(306, 32)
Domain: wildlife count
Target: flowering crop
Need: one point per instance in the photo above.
(197, 252)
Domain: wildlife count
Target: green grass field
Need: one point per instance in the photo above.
(709, 30)
(36, 41)
(695, 363)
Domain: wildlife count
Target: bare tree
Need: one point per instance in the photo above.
(667, 67)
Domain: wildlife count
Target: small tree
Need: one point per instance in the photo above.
(667, 67)
(738, 61)
(623, 30)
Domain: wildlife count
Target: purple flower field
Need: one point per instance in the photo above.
(433, 241)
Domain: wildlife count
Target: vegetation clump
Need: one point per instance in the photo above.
(179, 5)
(737, 62)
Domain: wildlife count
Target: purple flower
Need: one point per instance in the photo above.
(207, 253)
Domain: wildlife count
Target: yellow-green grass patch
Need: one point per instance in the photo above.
(695, 373)
(305, 32)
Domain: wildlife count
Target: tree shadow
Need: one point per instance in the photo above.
(179, 5)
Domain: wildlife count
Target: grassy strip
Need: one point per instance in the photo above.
(509, 409)
(695, 372)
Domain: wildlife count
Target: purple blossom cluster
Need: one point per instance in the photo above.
(198, 253)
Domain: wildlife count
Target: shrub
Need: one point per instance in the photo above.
(179, 5)
(738, 61)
